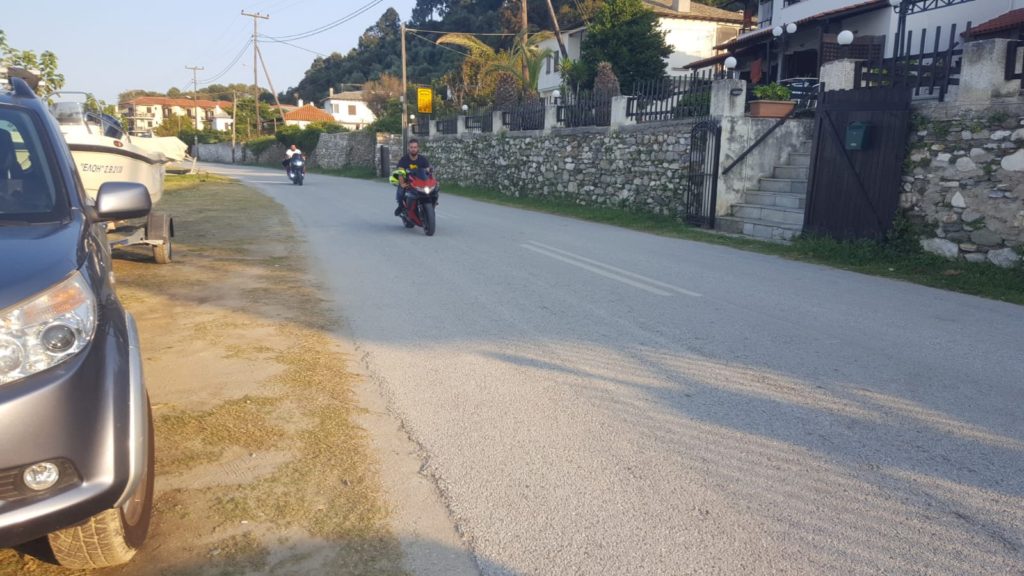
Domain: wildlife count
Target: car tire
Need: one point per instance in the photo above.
(113, 536)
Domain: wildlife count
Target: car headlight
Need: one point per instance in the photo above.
(46, 329)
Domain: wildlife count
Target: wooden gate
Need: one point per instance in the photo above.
(860, 139)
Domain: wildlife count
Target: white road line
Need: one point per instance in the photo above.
(618, 270)
(597, 270)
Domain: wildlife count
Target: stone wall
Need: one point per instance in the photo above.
(340, 150)
(344, 150)
(221, 152)
(393, 144)
(965, 181)
(634, 167)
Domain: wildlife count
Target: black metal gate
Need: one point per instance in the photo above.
(860, 139)
(701, 192)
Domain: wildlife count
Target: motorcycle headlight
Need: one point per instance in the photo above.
(46, 329)
(427, 189)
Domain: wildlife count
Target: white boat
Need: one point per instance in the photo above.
(103, 151)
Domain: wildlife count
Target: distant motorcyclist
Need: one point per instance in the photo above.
(411, 162)
(292, 151)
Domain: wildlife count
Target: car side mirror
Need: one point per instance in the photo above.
(122, 201)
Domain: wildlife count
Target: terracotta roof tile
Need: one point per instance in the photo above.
(179, 102)
(1009, 21)
(308, 113)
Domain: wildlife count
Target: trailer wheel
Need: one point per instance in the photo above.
(161, 227)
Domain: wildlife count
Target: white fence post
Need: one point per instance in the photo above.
(983, 72)
(728, 97)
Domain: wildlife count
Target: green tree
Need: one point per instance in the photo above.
(492, 64)
(45, 63)
(625, 34)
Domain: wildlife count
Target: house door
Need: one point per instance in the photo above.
(860, 139)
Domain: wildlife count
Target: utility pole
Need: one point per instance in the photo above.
(526, 30)
(266, 73)
(558, 31)
(405, 97)
(256, 16)
(234, 116)
(195, 86)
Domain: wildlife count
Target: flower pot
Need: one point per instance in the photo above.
(771, 108)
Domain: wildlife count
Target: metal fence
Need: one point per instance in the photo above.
(528, 116)
(671, 98)
(422, 126)
(482, 121)
(449, 125)
(584, 109)
(926, 74)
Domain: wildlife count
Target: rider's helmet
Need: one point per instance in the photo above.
(398, 175)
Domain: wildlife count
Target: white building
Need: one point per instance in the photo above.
(873, 22)
(551, 73)
(145, 113)
(348, 109)
(691, 29)
(221, 120)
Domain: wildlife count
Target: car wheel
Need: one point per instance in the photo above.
(113, 536)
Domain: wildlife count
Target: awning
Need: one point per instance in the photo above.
(707, 62)
(846, 12)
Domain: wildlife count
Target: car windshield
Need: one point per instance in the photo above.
(27, 189)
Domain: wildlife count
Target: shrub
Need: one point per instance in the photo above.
(772, 91)
(261, 144)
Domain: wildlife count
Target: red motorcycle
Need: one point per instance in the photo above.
(420, 201)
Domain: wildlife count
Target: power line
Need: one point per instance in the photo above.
(230, 66)
(466, 33)
(274, 41)
(358, 11)
(436, 43)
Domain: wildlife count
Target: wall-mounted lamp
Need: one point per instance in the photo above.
(736, 92)
(465, 107)
(845, 38)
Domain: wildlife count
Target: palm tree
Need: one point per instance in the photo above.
(494, 64)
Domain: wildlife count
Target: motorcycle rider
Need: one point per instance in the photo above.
(411, 162)
(292, 151)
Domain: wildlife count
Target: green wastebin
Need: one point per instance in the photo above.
(857, 135)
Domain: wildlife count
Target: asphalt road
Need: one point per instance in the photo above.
(592, 400)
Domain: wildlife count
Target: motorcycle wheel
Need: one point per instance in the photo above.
(429, 221)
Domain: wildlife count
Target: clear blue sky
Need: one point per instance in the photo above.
(107, 46)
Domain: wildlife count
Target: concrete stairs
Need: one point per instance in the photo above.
(775, 210)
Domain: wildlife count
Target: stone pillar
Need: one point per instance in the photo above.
(728, 97)
(496, 124)
(460, 125)
(550, 117)
(620, 108)
(839, 74)
(983, 76)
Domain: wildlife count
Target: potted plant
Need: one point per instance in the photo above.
(772, 101)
